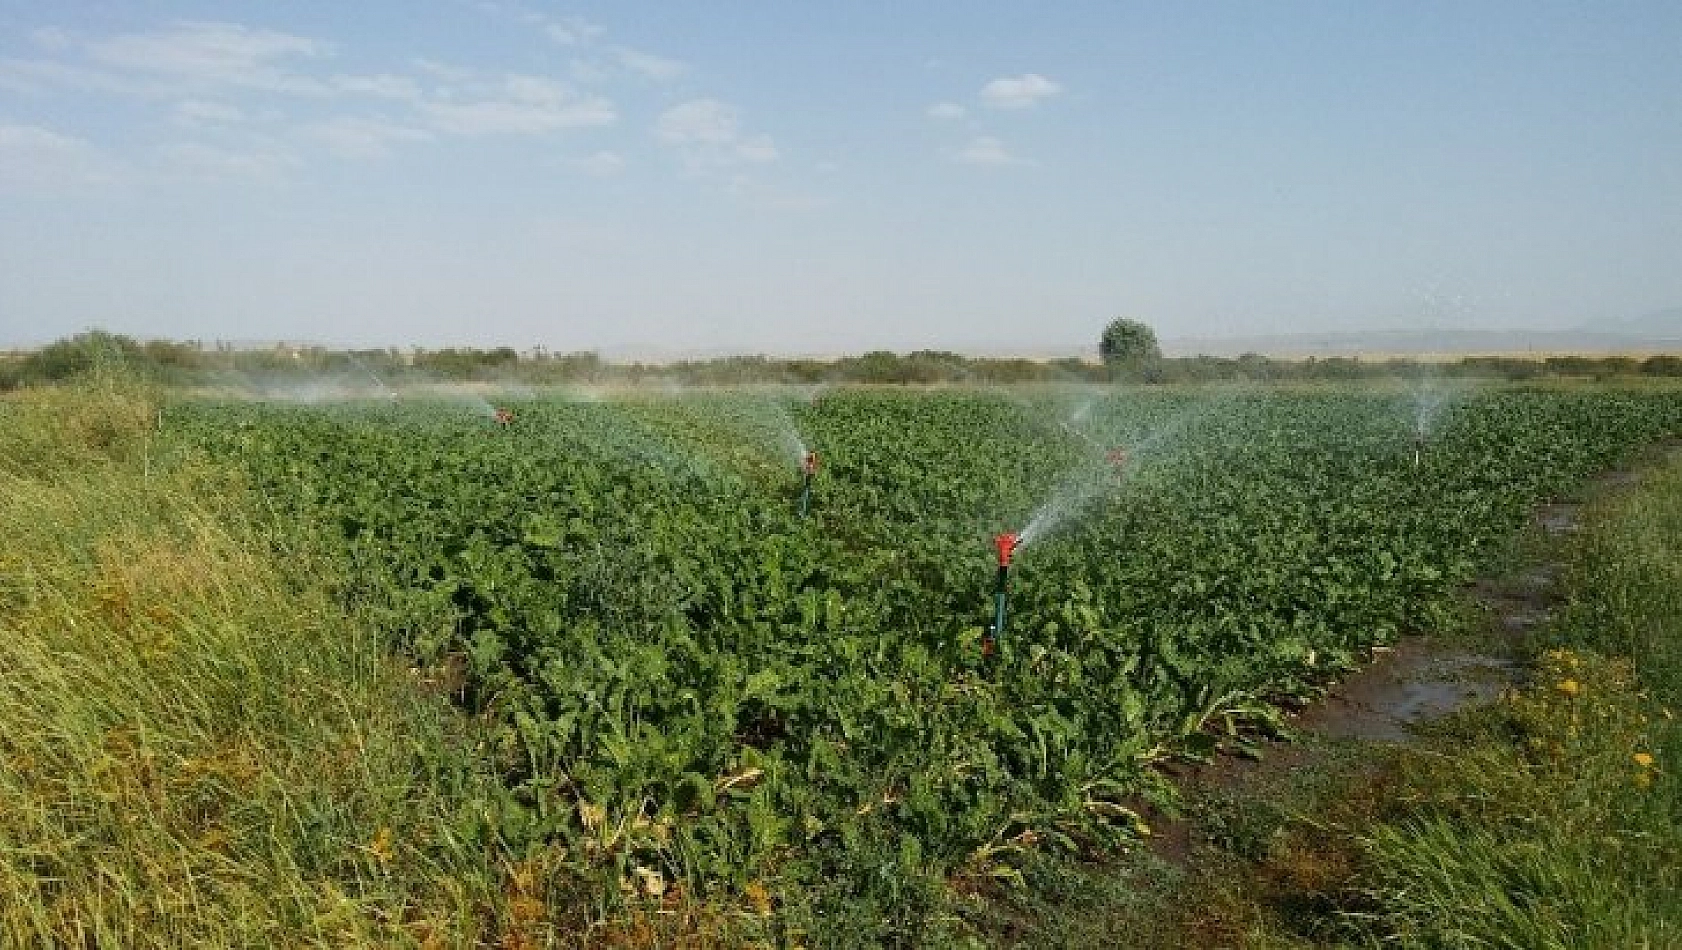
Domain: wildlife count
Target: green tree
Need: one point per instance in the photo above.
(1129, 343)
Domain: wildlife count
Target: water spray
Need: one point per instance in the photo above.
(389, 392)
(1006, 545)
(808, 468)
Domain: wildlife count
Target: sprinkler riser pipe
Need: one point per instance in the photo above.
(806, 495)
(1001, 598)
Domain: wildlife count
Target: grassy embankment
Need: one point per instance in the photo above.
(197, 745)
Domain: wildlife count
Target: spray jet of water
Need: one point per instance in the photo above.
(1111, 464)
(1432, 401)
(389, 392)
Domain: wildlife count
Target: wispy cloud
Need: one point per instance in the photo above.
(520, 104)
(200, 112)
(379, 86)
(198, 160)
(513, 117)
(1019, 92)
(34, 156)
(987, 150)
(709, 134)
(571, 31)
(215, 53)
(601, 164)
(362, 137)
(225, 77)
(947, 110)
(648, 64)
(35, 76)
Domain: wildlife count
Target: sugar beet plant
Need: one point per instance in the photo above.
(693, 686)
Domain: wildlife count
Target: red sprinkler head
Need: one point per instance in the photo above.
(504, 416)
(809, 463)
(1007, 546)
(1117, 458)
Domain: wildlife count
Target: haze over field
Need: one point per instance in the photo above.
(823, 178)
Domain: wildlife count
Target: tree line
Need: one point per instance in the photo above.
(193, 363)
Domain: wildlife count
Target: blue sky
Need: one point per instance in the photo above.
(821, 177)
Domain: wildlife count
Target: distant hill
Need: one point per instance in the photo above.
(1653, 332)
(1658, 325)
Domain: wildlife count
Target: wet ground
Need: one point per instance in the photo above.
(1414, 683)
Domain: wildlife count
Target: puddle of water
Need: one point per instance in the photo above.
(1559, 519)
(1413, 685)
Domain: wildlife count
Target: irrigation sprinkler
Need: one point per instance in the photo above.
(1006, 544)
(808, 468)
(504, 416)
(1117, 457)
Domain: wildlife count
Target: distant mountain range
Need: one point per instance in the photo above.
(1652, 332)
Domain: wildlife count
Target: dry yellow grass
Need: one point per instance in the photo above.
(197, 746)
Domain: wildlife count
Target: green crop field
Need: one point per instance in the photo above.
(689, 688)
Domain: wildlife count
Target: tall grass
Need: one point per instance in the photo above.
(1625, 583)
(197, 746)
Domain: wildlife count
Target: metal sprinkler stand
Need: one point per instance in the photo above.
(1418, 448)
(808, 468)
(1006, 543)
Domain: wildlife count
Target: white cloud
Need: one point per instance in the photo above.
(446, 72)
(379, 86)
(587, 72)
(650, 65)
(567, 31)
(698, 122)
(215, 53)
(986, 150)
(947, 110)
(602, 164)
(1020, 92)
(758, 148)
(709, 134)
(199, 112)
(208, 161)
(517, 116)
(539, 90)
(32, 76)
(35, 156)
(361, 137)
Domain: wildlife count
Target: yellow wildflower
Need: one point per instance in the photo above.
(1644, 759)
(381, 846)
(1569, 687)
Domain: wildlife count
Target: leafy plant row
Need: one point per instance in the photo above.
(690, 683)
